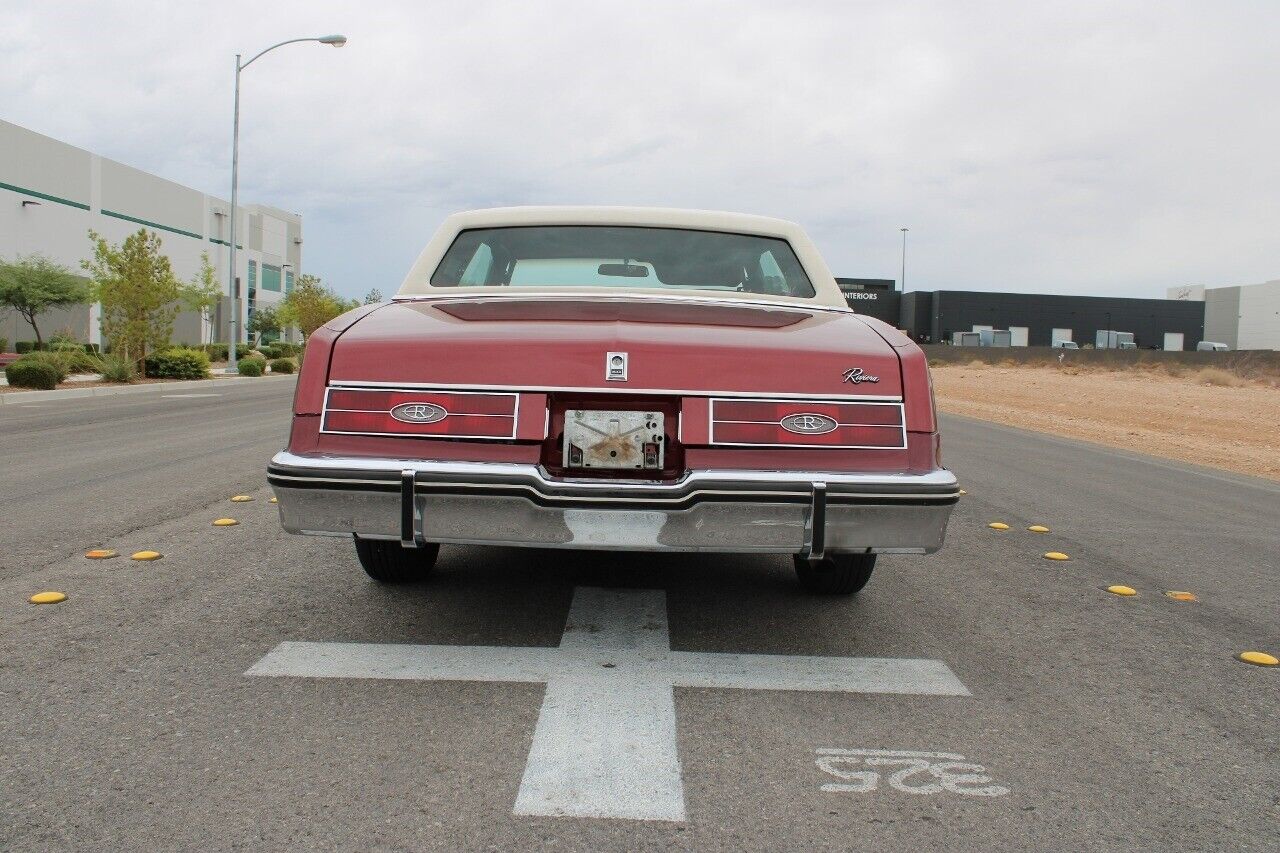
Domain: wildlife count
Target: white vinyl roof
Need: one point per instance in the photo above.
(418, 282)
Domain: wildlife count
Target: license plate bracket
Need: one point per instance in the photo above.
(600, 438)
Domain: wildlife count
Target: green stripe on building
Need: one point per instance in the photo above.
(128, 218)
(68, 202)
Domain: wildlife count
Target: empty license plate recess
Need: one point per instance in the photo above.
(605, 439)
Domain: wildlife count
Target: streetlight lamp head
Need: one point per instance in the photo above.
(336, 41)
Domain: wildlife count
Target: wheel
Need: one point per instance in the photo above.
(391, 562)
(836, 574)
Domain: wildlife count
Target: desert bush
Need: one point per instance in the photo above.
(283, 365)
(24, 347)
(178, 363)
(977, 362)
(1218, 376)
(79, 361)
(57, 360)
(117, 369)
(251, 367)
(34, 373)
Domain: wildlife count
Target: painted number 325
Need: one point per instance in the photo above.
(860, 771)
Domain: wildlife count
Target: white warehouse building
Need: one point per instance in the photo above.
(52, 194)
(1242, 317)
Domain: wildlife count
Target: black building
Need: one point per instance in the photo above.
(1036, 319)
(877, 297)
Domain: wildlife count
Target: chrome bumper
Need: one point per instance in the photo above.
(783, 512)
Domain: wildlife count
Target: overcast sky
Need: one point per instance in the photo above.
(1098, 148)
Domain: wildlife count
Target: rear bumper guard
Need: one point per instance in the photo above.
(807, 513)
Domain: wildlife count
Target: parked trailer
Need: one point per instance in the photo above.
(1111, 339)
(995, 338)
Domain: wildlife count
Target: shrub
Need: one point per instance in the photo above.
(287, 349)
(250, 367)
(283, 365)
(243, 350)
(1218, 376)
(33, 373)
(24, 347)
(178, 363)
(95, 349)
(116, 369)
(55, 360)
(79, 361)
(4, 344)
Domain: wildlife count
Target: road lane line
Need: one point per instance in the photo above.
(605, 742)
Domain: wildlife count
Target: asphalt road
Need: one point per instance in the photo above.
(127, 720)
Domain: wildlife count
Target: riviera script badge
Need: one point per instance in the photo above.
(857, 374)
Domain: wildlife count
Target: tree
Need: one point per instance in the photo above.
(203, 293)
(139, 293)
(265, 321)
(34, 284)
(310, 305)
(373, 297)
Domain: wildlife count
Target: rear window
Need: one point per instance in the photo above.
(622, 256)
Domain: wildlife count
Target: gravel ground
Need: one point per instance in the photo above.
(1182, 418)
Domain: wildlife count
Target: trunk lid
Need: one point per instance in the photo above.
(555, 343)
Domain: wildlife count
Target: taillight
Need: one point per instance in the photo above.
(808, 424)
(441, 414)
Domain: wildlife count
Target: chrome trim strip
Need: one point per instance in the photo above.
(938, 484)
(764, 396)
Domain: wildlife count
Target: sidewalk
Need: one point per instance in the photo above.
(17, 397)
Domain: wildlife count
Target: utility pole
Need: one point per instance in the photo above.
(904, 258)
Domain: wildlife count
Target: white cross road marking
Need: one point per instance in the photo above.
(949, 771)
(605, 742)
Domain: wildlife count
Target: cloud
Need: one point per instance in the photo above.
(1083, 148)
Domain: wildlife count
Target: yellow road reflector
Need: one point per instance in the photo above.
(273, 501)
(225, 522)
(145, 555)
(1255, 658)
(101, 554)
(1178, 595)
(1121, 590)
(998, 525)
(241, 499)
(1038, 528)
(48, 597)
(1055, 555)
(963, 492)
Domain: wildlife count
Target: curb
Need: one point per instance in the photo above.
(112, 390)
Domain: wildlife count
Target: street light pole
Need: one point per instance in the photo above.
(233, 333)
(904, 258)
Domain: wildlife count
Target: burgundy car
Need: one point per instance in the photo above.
(641, 379)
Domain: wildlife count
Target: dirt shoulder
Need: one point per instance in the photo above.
(1177, 417)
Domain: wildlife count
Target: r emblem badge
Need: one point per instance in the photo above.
(808, 424)
(418, 413)
(615, 367)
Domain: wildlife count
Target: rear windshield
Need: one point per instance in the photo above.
(622, 256)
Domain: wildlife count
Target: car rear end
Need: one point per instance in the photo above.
(726, 435)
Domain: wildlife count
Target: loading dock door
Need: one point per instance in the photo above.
(1061, 335)
(1018, 336)
(1173, 341)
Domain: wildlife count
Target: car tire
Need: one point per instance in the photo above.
(391, 562)
(836, 574)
